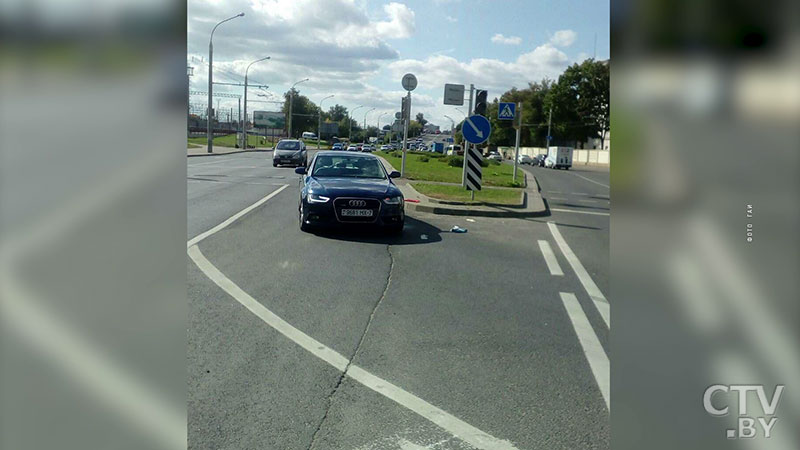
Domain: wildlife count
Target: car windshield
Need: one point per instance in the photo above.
(348, 166)
(288, 145)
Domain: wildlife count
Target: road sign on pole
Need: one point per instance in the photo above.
(506, 111)
(476, 129)
(473, 175)
(409, 82)
(454, 94)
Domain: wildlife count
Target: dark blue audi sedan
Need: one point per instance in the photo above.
(349, 188)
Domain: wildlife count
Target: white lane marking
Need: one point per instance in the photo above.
(446, 421)
(587, 201)
(215, 161)
(597, 297)
(598, 360)
(590, 180)
(558, 198)
(235, 217)
(579, 193)
(550, 258)
(579, 212)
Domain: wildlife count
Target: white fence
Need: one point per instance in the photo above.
(599, 157)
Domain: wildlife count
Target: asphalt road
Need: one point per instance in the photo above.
(473, 324)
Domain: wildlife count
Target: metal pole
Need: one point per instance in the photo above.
(466, 144)
(291, 101)
(244, 134)
(209, 114)
(241, 124)
(549, 119)
(516, 146)
(319, 122)
(405, 135)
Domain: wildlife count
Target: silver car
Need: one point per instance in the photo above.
(290, 152)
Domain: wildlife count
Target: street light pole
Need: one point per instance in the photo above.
(452, 124)
(350, 122)
(319, 123)
(209, 120)
(244, 123)
(365, 121)
(291, 103)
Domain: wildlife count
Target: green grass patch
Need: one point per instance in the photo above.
(438, 169)
(458, 193)
(253, 140)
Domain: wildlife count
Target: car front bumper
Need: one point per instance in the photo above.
(328, 215)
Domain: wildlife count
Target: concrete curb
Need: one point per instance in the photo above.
(228, 153)
(533, 204)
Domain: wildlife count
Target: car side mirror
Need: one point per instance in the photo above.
(394, 174)
(300, 170)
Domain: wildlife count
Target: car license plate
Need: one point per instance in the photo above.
(357, 212)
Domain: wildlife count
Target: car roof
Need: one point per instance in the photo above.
(330, 153)
(289, 140)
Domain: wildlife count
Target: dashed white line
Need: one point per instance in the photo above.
(590, 180)
(579, 212)
(550, 258)
(595, 355)
(597, 297)
(446, 421)
(235, 217)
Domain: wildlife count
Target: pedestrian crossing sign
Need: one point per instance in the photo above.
(506, 111)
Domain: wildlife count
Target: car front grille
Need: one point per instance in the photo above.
(357, 203)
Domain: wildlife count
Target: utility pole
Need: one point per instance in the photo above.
(549, 136)
(209, 124)
(516, 146)
(240, 119)
(365, 123)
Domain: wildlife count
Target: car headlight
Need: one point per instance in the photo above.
(316, 198)
(393, 200)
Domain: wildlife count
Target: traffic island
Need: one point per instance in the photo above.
(527, 203)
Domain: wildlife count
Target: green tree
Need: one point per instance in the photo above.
(337, 113)
(421, 119)
(304, 112)
(414, 128)
(580, 102)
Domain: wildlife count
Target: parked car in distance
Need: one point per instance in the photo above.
(494, 156)
(352, 148)
(385, 147)
(524, 159)
(454, 150)
(346, 189)
(290, 152)
(337, 146)
(367, 148)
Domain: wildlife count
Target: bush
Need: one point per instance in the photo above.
(424, 159)
(456, 161)
(484, 162)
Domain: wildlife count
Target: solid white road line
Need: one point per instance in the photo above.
(590, 180)
(597, 297)
(579, 212)
(448, 422)
(598, 360)
(550, 258)
(235, 217)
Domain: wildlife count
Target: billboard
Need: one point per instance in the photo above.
(328, 129)
(269, 119)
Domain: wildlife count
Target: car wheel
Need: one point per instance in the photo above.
(274, 164)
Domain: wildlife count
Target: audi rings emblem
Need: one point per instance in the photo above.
(358, 203)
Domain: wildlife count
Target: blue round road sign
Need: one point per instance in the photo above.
(476, 129)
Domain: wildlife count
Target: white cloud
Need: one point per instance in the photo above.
(563, 38)
(510, 40)
(450, 19)
(498, 76)
(400, 24)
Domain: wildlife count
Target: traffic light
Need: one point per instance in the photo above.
(480, 102)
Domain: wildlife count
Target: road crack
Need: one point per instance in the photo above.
(357, 349)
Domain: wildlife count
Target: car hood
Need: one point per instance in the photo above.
(352, 187)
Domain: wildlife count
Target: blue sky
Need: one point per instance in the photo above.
(358, 50)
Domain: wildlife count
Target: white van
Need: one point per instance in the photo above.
(309, 135)
(558, 157)
(454, 150)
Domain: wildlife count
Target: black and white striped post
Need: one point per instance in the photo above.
(473, 173)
